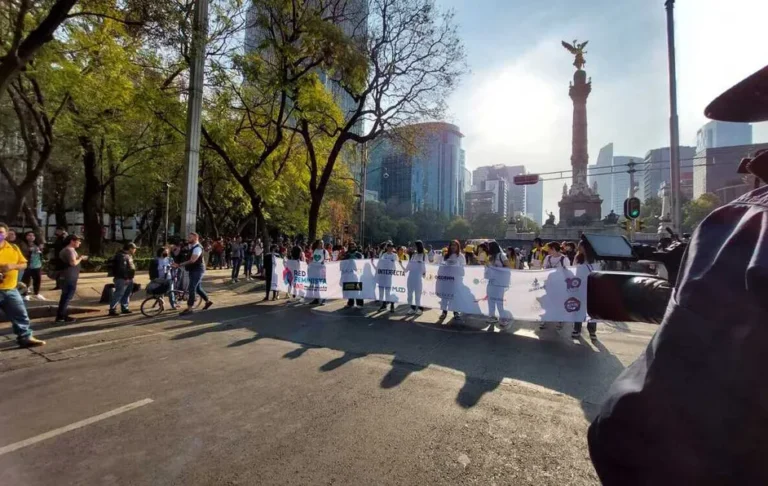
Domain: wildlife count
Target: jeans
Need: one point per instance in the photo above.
(248, 265)
(196, 286)
(32, 274)
(68, 289)
(258, 260)
(591, 327)
(12, 304)
(122, 293)
(235, 268)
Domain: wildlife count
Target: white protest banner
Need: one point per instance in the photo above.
(390, 281)
(555, 295)
(357, 279)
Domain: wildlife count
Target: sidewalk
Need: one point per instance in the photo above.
(91, 285)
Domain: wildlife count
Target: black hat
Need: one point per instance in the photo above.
(746, 102)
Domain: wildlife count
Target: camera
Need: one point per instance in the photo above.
(629, 296)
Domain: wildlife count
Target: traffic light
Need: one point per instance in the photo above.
(526, 179)
(640, 225)
(632, 208)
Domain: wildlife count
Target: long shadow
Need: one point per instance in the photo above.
(485, 359)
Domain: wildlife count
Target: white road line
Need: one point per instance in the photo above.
(74, 426)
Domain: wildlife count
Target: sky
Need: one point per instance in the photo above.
(514, 109)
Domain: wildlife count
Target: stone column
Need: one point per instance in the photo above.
(579, 91)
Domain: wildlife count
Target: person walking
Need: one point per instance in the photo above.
(236, 257)
(496, 259)
(584, 257)
(11, 262)
(68, 275)
(33, 253)
(195, 268)
(123, 270)
(353, 254)
(258, 257)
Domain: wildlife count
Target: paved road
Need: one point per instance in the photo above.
(249, 393)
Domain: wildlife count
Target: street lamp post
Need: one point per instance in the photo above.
(167, 209)
(674, 134)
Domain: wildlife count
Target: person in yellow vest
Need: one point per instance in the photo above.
(402, 255)
(11, 261)
(537, 255)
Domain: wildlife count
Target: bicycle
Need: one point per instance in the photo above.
(154, 304)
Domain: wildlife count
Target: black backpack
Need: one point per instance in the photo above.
(153, 273)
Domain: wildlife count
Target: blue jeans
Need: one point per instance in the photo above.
(12, 304)
(196, 286)
(122, 294)
(68, 289)
(235, 268)
(248, 262)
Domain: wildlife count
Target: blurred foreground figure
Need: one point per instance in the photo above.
(693, 409)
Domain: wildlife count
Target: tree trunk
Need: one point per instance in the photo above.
(32, 219)
(209, 212)
(314, 216)
(113, 210)
(91, 198)
(261, 224)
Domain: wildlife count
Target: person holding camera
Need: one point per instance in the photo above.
(11, 261)
(69, 273)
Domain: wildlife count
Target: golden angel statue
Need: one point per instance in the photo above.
(577, 50)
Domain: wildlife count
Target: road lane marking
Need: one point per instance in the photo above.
(68, 428)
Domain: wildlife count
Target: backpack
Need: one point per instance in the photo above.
(118, 264)
(153, 272)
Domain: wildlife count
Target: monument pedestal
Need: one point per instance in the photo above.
(580, 209)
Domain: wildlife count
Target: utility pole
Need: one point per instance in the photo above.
(194, 111)
(674, 133)
(167, 209)
(633, 222)
(364, 181)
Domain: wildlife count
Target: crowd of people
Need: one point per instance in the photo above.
(486, 253)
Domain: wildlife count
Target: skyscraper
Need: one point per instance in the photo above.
(534, 202)
(516, 200)
(600, 172)
(655, 169)
(723, 134)
(429, 177)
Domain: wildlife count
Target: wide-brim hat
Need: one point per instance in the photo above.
(745, 102)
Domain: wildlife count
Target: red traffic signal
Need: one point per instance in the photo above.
(526, 179)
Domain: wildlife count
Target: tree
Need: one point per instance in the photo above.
(430, 223)
(525, 224)
(695, 211)
(398, 68)
(407, 231)
(489, 225)
(458, 229)
(379, 227)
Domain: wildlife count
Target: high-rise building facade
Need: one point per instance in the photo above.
(717, 134)
(534, 202)
(655, 169)
(601, 173)
(715, 171)
(491, 197)
(621, 181)
(516, 200)
(429, 177)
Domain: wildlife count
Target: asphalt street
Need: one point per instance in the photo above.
(279, 393)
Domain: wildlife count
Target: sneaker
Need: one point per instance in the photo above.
(383, 308)
(349, 306)
(113, 313)
(411, 312)
(419, 312)
(40, 297)
(31, 342)
(27, 298)
(67, 320)
(492, 320)
(126, 311)
(207, 305)
(593, 336)
(443, 315)
(575, 335)
(186, 311)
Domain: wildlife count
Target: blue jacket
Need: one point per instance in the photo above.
(693, 409)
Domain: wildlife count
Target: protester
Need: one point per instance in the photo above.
(454, 257)
(236, 257)
(537, 255)
(496, 259)
(195, 267)
(69, 273)
(217, 254)
(269, 265)
(11, 262)
(417, 269)
(384, 290)
(11, 238)
(353, 254)
(402, 254)
(570, 253)
(33, 253)
(430, 254)
(554, 259)
(584, 257)
(258, 257)
(319, 255)
(123, 271)
(164, 270)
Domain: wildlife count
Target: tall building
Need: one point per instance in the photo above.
(430, 176)
(723, 134)
(534, 202)
(621, 181)
(491, 197)
(656, 169)
(715, 171)
(516, 201)
(600, 172)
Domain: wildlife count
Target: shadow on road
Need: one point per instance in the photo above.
(552, 360)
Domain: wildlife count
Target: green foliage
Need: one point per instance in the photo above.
(407, 232)
(458, 229)
(696, 210)
(489, 225)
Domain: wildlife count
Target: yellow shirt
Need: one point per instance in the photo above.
(10, 255)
